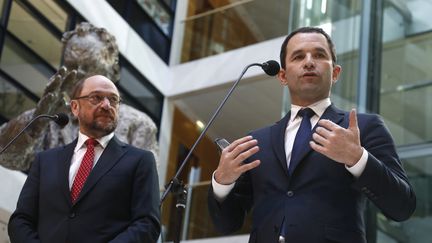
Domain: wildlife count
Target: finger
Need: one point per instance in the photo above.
(246, 154)
(237, 142)
(317, 147)
(319, 139)
(353, 120)
(249, 166)
(327, 124)
(323, 132)
(241, 145)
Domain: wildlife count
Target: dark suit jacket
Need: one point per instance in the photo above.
(118, 203)
(320, 201)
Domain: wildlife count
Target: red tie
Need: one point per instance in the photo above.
(84, 169)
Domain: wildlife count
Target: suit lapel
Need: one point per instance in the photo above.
(278, 140)
(65, 156)
(110, 156)
(331, 113)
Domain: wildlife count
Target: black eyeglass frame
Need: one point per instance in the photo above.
(96, 99)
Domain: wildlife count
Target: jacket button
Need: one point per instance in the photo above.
(290, 193)
(72, 215)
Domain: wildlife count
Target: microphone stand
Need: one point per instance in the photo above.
(176, 186)
(22, 130)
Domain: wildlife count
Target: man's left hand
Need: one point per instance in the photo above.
(338, 143)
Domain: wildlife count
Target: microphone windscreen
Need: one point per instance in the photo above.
(271, 67)
(61, 119)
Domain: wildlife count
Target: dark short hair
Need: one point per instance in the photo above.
(307, 30)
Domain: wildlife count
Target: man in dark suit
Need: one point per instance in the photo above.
(316, 191)
(96, 189)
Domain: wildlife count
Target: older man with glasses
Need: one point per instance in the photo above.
(95, 189)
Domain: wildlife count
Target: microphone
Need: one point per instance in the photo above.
(271, 67)
(60, 118)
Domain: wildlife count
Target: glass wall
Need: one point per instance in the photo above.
(29, 30)
(406, 92)
(213, 27)
(406, 87)
(54, 13)
(12, 101)
(152, 20)
(20, 62)
(406, 105)
(1, 6)
(138, 92)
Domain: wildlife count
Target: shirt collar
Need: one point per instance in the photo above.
(318, 107)
(103, 141)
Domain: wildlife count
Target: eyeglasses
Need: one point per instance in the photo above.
(96, 99)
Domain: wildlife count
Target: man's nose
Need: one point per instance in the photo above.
(309, 61)
(105, 103)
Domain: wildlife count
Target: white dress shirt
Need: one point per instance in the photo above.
(80, 150)
(221, 191)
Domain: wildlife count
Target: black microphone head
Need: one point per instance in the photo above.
(271, 67)
(61, 119)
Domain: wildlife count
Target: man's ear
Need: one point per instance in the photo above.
(282, 78)
(74, 107)
(337, 70)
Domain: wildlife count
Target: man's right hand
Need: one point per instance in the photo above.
(231, 165)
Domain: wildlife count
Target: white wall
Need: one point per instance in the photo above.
(11, 184)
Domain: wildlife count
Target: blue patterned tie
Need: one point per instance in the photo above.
(303, 136)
